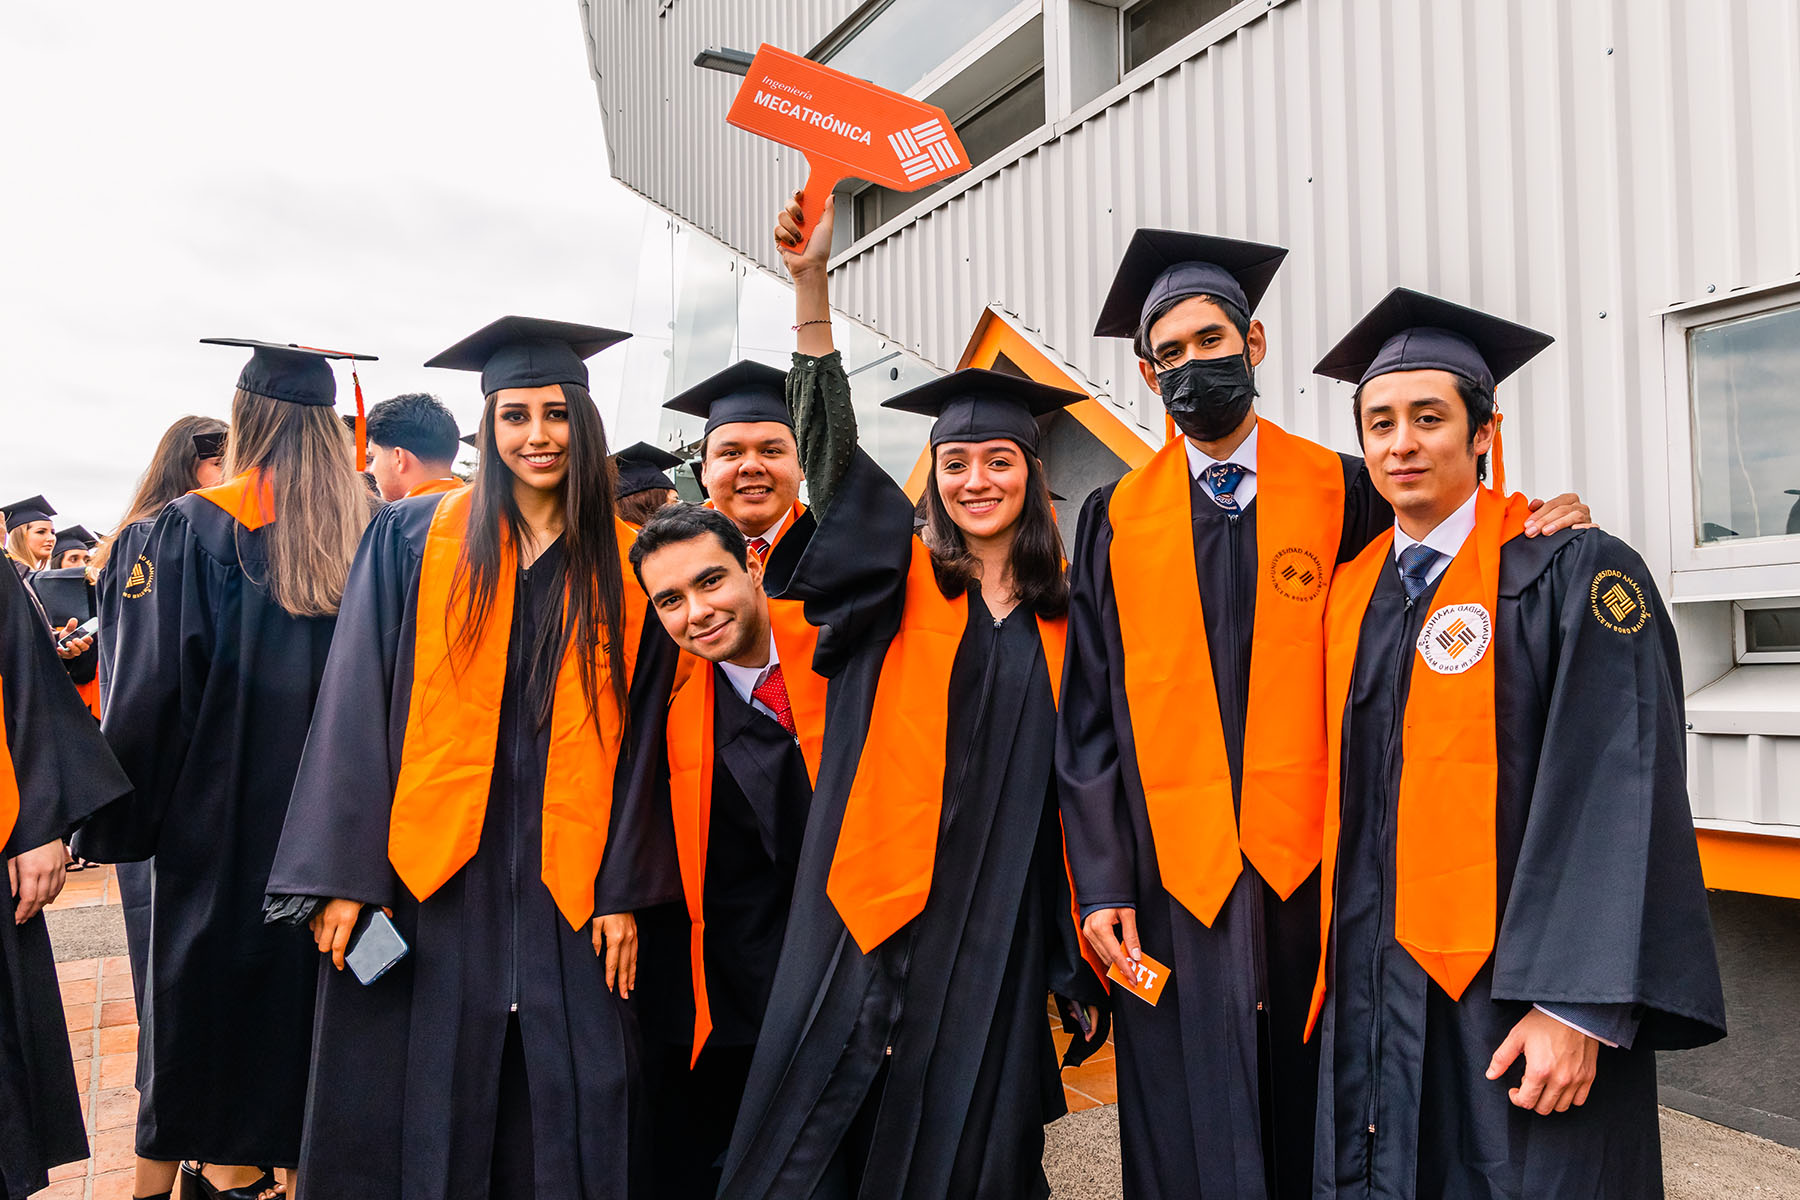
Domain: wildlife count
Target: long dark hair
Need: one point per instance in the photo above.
(595, 611)
(1036, 562)
(170, 475)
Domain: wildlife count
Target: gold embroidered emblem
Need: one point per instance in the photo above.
(141, 579)
(1297, 574)
(1618, 602)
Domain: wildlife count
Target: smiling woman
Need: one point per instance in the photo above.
(474, 770)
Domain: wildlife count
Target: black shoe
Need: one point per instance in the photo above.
(195, 1186)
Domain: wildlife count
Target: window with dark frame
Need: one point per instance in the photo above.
(993, 127)
(1152, 26)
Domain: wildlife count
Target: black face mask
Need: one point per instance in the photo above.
(1208, 397)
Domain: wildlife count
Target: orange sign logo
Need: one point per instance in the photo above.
(1152, 977)
(848, 128)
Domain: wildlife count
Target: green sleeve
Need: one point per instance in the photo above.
(818, 398)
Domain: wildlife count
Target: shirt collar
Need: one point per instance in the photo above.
(1450, 533)
(1244, 456)
(774, 531)
(745, 680)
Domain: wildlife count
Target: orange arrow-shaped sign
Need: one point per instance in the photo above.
(847, 127)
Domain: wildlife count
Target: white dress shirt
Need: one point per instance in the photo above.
(774, 531)
(1244, 456)
(745, 680)
(1446, 539)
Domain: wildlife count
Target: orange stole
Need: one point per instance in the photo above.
(690, 742)
(886, 849)
(1445, 870)
(249, 505)
(90, 695)
(435, 487)
(9, 778)
(453, 724)
(1180, 743)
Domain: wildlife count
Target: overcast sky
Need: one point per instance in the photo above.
(380, 177)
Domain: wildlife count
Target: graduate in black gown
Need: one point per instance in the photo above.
(55, 769)
(905, 1051)
(471, 768)
(1190, 790)
(643, 487)
(1519, 921)
(190, 454)
(739, 793)
(224, 621)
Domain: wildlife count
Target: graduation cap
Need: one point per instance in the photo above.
(1161, 265)
(209, 445)
(528, 352)
(297, 374)
(976, 405)
(641, 468)
(75, 537)
(468, 439)
(744, 391)
(1410, 331)
(24, 512)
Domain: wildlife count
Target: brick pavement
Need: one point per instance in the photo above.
(103, 1032)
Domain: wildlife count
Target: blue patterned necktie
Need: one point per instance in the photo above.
(1223, 478)
(1416, 562)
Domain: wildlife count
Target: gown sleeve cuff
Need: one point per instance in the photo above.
(1613, 1025)
(290, 910)
(1088, 910)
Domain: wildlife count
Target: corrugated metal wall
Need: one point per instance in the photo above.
(1579, 165)
(665, 117)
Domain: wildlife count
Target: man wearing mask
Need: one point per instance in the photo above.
(1191, 741)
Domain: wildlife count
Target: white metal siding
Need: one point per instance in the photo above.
(1578, 165)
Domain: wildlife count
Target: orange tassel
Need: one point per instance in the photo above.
(362, 424)
(1496, 463)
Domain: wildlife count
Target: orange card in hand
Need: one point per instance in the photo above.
(1152, 976)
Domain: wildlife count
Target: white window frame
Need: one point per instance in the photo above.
(1740, 632)
(1751, 569)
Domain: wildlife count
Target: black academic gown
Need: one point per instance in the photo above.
(760, 796)
(1600, 901)
(414, 1093)
(134, 877)
(1216, 1087)
(65, 772)
(211, 689)
(958, 1107)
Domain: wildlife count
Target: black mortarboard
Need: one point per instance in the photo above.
(1410, 331)
(528, 352)
(209, 445)
(975, 405)
(744, 391)
(1160, 265)
(641, 468)
(297, 374)
(24, 512)
(468, 439)
(75, 537)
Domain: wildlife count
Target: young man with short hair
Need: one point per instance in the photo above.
(412, 442)
(739, 792)
(1516, 924)
(1191, 743)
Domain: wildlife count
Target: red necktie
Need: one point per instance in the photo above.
(773, 694)
(759, 546)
